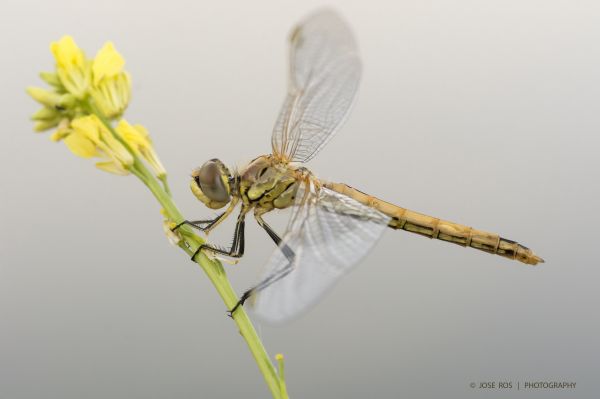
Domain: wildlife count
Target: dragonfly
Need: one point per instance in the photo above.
(332, 225)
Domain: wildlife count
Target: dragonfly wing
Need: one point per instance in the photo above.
(329, 233)
(324, 76)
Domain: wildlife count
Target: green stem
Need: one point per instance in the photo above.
(165, 183)
(213, 268)
(282, 385)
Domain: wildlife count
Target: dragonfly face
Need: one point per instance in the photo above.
(211, 184)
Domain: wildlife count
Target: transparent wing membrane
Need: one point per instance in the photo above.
(328, 233)
(324, 76)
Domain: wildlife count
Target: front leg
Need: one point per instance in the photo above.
(201, 225)
(237, 247)
(210, 223)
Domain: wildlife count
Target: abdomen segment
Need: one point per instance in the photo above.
(444, 230)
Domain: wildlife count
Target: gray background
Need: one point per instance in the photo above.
(484, 113)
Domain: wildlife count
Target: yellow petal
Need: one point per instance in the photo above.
(107, 64)
(124, 89)
(138, 138)
(152, 158)
(75, 80)
(51, 78)
(40, 126)
(45, 114)
(88, 126)
(112, 167)
(134, 136)
(94, 130)
(67, 101)
(60, 134)
(80, 145)
(112, 95)
(67, 54)
(115, 149)
(142, 131)
(64, 129)
(44, 97)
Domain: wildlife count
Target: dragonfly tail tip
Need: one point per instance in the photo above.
(536, 259)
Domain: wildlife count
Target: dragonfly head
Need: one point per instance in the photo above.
(210, 184)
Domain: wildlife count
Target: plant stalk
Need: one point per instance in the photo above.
(213, 268)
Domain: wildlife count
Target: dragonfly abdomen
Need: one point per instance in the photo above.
(428, 226)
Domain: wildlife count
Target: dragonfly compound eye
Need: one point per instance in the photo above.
(210, 184)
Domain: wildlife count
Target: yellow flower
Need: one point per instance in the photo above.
(72, 68)
(56, 107)
(52, 99)
(47, 98)
(67, 53)
(75, 80)
(111, 89)
(84, 96)
(139, 140)
(46, 118)
(88, 137)
(107, 64)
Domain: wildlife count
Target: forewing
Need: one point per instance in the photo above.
(329, 234)
(324, 76)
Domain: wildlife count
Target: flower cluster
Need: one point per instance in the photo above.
(85, 97)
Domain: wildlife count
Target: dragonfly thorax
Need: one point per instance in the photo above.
(268, 183)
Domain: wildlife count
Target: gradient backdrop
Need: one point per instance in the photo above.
(484, 113)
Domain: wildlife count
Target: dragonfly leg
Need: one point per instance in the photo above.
(197, 224)
(287, 269)
(278, 275)
(287, 251)
(237, 246)
(239, 303)
(210, 223)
